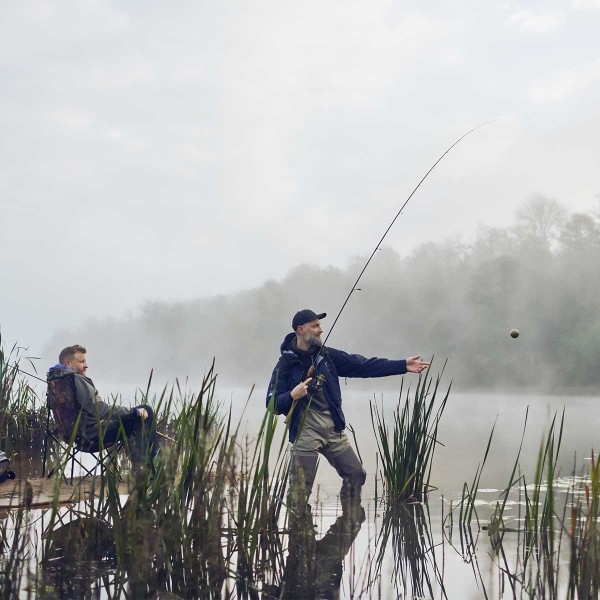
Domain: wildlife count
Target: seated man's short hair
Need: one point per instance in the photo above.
(69, 352)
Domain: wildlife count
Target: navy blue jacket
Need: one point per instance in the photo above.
(332, 364)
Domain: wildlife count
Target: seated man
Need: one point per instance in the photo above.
(99, 418)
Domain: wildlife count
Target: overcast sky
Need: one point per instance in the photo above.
(170, 150)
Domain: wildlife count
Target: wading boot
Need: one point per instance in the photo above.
(351, 471)
(303, 469)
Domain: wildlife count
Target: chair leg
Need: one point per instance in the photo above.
(72, 465)
(102, 460)
(46, 433)
(58, 443)
(111, 456)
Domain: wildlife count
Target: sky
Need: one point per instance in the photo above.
(155, 151)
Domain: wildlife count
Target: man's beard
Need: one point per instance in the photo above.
(314, 341)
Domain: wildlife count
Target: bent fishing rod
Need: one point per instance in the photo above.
(311, 370)
(378, 246)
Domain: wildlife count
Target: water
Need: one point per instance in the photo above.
(422, 558)
(464, 432)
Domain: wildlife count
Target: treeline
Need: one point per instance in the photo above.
(449, 299)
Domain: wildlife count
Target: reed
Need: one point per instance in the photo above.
(207, 521)
(15, 543)
(406, 530)
(469, 492)
(539, 549)
(255, 505)
(22, 417)
(584, 538)
(406, 448)
(172, 520)
(210, 510)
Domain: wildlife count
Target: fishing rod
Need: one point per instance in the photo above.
(378, 246)
(311, 370)
(19, 370)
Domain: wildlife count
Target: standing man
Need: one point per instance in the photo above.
(305, 386)
(101, 419)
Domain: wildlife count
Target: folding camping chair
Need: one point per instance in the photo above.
(61, 402)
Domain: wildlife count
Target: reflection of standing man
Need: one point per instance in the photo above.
(305, 386)
(314, 568)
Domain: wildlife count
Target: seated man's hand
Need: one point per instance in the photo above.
(414, 364)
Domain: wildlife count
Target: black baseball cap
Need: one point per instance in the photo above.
(304, 316)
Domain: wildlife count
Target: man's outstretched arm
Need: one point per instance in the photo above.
(355, 365)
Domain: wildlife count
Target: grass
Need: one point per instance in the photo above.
(209, 514)
(542, 531)
(211, 510)
(22, 416)
(406, 448)
(469, 492)
(406, 531)
(538, 558)
(213, 513)
(14, 544)
(584, 538)
(211, 522)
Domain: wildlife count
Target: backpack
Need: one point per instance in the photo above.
(5, 473)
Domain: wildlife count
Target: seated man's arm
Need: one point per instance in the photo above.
(91, 403)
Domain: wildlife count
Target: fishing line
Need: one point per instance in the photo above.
(19, 370)
(377, 247)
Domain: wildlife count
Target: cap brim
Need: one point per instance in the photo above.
(321, 316)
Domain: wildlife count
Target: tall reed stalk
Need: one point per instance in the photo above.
(538, 548)
(14, 544)
(255, 505)
(406, 530)
(584, 537)
(209, 511)
(406, 448)
(22, 415)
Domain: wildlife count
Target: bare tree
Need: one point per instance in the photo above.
(541, 220)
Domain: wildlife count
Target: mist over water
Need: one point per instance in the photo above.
(449, 299)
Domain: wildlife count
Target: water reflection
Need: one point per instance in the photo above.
(406, 531)
(314, 568)
(79, 556)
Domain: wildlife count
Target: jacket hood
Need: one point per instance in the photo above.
(58, 371)
(287, 342)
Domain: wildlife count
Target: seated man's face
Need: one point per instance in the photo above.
(78, 363)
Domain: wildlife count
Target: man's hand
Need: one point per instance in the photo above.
(143, 413)
(414, 364)
(300, 390)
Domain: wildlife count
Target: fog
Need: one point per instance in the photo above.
(158, 152)
(449, 299)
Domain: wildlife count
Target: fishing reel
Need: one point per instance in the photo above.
(316, 384)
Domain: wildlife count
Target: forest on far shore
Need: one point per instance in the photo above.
(450, 299)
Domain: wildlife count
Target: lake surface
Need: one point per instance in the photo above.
(423, 558)
(464, 431)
